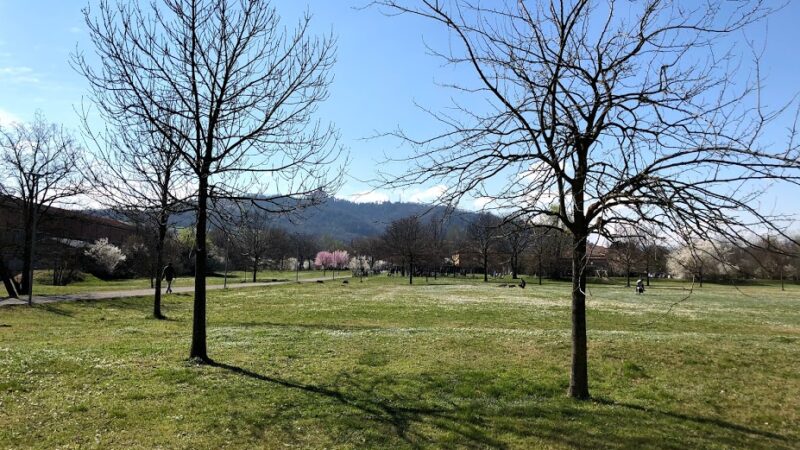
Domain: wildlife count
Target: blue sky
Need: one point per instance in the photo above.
(382, 70)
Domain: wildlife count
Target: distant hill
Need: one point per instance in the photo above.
(342, 219)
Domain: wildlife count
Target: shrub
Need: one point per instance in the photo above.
(105, 257)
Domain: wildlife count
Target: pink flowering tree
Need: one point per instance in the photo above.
(324, 260)
(340, 259)
(337, 259)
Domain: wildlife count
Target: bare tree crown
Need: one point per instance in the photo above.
(604, 113)
(221, 80)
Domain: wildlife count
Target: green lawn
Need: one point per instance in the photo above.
(384, 365)
(91, 283)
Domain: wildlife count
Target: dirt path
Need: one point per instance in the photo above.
(105, 295)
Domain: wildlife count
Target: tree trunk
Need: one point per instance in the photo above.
(198, 351)
(411, 271)
(9, 285)
(162, 233)
(579, 376)
(514, 263)
(27, 255)
(255, 270)
(485, 268)
(627, 276)
(647, 271)
(540, 271)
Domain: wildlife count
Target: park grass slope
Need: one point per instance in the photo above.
(381, 364)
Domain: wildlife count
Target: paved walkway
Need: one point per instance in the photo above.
(105, 295)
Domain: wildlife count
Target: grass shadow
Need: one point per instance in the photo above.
(54, 309)
(308, 326)
(399, 414)
(695, 419)
(420, 413)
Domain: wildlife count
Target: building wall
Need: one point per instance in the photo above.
(56, 223)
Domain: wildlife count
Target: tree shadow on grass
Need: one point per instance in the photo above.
(309, 326)
(423, 410)
(399, 415)
(696, 419)
(53, 308)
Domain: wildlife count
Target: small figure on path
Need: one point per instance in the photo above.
(169, 275)
(640, 286)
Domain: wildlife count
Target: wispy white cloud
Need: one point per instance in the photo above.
(7, 118)
(426, 195)
(19, 74)
(15, 70)
(481, 202)
(75, 30)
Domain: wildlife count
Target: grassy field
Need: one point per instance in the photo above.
(380, 364)
(43, 280)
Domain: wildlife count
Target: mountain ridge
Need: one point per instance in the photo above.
(341, 218)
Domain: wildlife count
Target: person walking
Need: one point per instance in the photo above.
(640, 286)
(169, 275)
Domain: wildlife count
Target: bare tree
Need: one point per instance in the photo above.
(40, 166)
(483, 235)
(539, 249)
(370, 247)
(235, 93)
(624, 253)
(279, 248)
(602, 113)
(254, 239)
(406, 238)
(305, 247)
(653, 253)
(138, 173)
(518, 237)
(437, 249)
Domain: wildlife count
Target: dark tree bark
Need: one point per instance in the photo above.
(540, 272)
(514, 265)
(27, 250)
(162, 235)
(198, 350)
(7, 281)
(579, 374)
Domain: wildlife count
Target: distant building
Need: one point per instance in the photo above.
(596, 260)
(57, 228)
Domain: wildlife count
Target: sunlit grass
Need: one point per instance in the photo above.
(44, 286)
(450, 363)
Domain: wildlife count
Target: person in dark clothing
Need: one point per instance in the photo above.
(169, 275)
